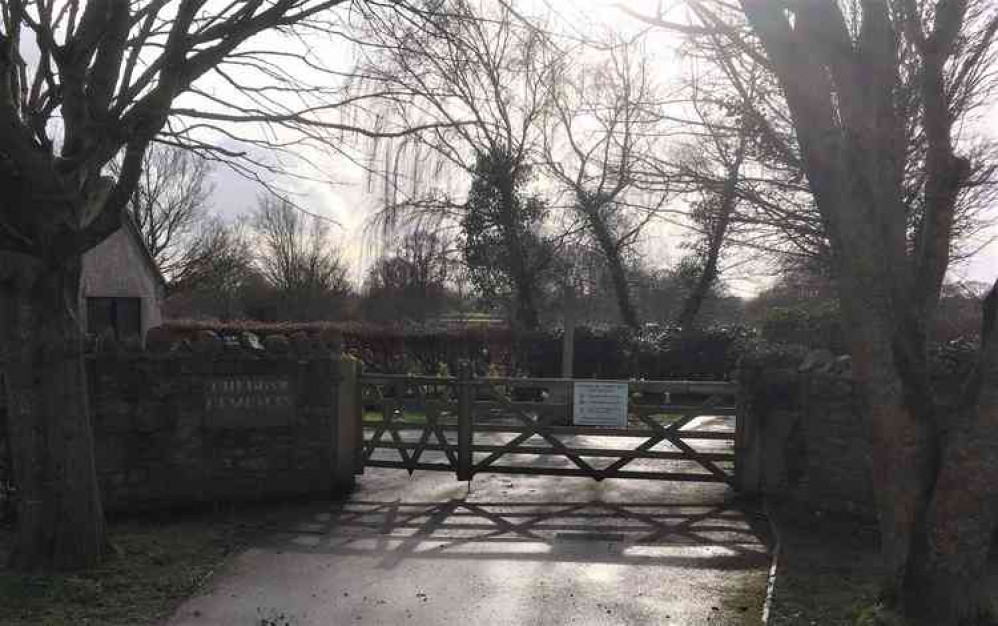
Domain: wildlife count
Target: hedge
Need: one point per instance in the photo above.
(710, 354)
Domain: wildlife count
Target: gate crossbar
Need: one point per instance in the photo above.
(535, 419)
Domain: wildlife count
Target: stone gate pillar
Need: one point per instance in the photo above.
(347, 431)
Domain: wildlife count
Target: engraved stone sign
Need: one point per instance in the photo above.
(248, 402)
(600, 404)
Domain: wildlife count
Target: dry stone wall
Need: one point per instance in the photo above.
(217, 421)
(173, 429)
(805, 439)
(804, 434)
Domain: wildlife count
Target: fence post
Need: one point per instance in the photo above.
(465, 434)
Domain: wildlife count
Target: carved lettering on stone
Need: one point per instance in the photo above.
(248, 402)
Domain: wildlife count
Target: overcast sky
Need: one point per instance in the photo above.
(349, 203)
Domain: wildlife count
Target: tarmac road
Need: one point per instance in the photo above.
(508, 550)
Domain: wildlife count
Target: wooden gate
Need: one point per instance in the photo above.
(676, 430)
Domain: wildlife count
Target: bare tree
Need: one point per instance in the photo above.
(297, 259)
(777, 213)
(663, 293)
(588, 287)
(479, 77)
(169, 203)
(876, 92)
(215, 272)
(82, 82)
(715, 170)
(429, 257)
(411, 281)
(601, 127)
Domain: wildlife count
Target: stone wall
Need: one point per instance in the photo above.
(162, 434)
(184, 427)
(806, 439)
(804, 436)
(6, 482)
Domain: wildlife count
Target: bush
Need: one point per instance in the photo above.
(815, 324)
(384, 348)
(711, 353)
(611, 353)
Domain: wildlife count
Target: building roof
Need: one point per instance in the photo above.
(129, 225)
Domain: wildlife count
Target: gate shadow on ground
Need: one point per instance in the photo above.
(728, 536)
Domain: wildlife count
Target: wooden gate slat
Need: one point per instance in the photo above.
(501, 451)
(573, 471)
(423, 465)
(447, 447)
(435, 395)
(616, 466)
(423, 439)
(597, 431)
(594, 452)
(696, 456)
(379, 431)
(554, 441)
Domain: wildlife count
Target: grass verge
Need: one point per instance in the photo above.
(407, 417)
(153, 567)
(742, 606)
(828, 572)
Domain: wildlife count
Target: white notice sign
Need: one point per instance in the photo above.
(600, 404)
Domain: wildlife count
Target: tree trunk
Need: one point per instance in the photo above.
(568, 339)
(903, 459)
(524, 280)
(615, 264)
(527, 316)
(518, 256)
(694, 300)
(901, 465)
(60, 519)
(936, 487)
(947, 580)
(622, 290)
(902, 477)
(716, 233)
(936, 481)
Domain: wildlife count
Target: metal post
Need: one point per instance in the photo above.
(465, 433)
